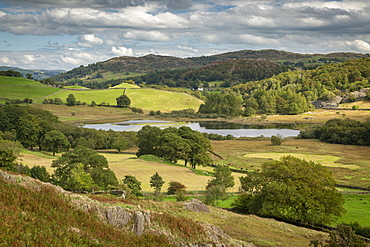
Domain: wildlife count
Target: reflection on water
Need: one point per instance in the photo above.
(221, 128)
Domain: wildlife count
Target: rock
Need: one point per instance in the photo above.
(118, 217)
(196, 206)
(139, 220)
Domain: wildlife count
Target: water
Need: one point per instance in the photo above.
(221, 128)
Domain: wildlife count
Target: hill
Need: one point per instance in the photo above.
(37, 74)
(35, 213)
(152, 63)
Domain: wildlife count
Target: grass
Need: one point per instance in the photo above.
(358, 209)
(319, 116)
(44, 217)
(27, 92)
(6, 80)
(146, 99)
(87, 114)
(349, 164)
(75, 87)
(126, 85)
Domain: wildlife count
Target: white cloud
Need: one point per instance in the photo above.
(359, 45)
(122, 51)
(91, 39)
(147, 36)
(7, 61)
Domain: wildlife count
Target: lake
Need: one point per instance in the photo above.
(221, 128)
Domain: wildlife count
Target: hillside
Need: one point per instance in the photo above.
(153, 63)
(35, 213)
(37, 74)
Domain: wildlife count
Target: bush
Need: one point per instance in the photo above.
(174, 187)
(276, 139)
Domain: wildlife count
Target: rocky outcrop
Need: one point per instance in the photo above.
(118, 217)
(196, 206)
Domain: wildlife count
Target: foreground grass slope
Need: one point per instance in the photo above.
(43, 217)
(37, 215)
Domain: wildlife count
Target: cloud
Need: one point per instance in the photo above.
(359, 45)
(146, 36)
(91, 39)
(122, 51)
(100, 4)
(99, 29)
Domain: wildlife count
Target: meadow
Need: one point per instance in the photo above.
(146, 99)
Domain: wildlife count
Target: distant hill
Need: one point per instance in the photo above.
(121, 66)
(37, 74)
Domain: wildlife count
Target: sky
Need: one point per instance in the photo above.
(64, 34)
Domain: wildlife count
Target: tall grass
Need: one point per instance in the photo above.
(45, 218)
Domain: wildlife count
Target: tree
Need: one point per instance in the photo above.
(40, 173)
(133, 184)
(292, 189)
(55, 141)
(222, 176)
(156, 182)
(276, 139)
(172, 147)
(119, 143)
(342, 236)
(71, 100)
(123, 101)
(94, 164)
(148, 140)
(174, 186)
(81, 180)
(27, 131)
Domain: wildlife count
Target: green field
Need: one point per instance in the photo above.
(126, 85)
(146, 99)
(27, 92)
(6, 80)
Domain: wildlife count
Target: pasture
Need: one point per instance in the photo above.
(350, 165)
(6, 80)
(146, 99)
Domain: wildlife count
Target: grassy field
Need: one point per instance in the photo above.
(319, 116)
(87, 114)
(6, 80)
(146, 99)
(350, 165)
(21, 93)
(126, 85)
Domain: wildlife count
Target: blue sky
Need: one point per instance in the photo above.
(64, 34)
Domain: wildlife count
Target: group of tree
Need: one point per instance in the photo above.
(175, 144)
(340, 131)
(233, 71)
(322, 83)
(222, 104)
(34, 127)
(292, 189)
(11, 73)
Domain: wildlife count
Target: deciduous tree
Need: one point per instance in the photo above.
(292, 189)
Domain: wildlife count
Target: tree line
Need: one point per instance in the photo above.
(340, 131)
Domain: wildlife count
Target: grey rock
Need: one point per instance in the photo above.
(118, 217)
(196, 206)
(139, 220)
